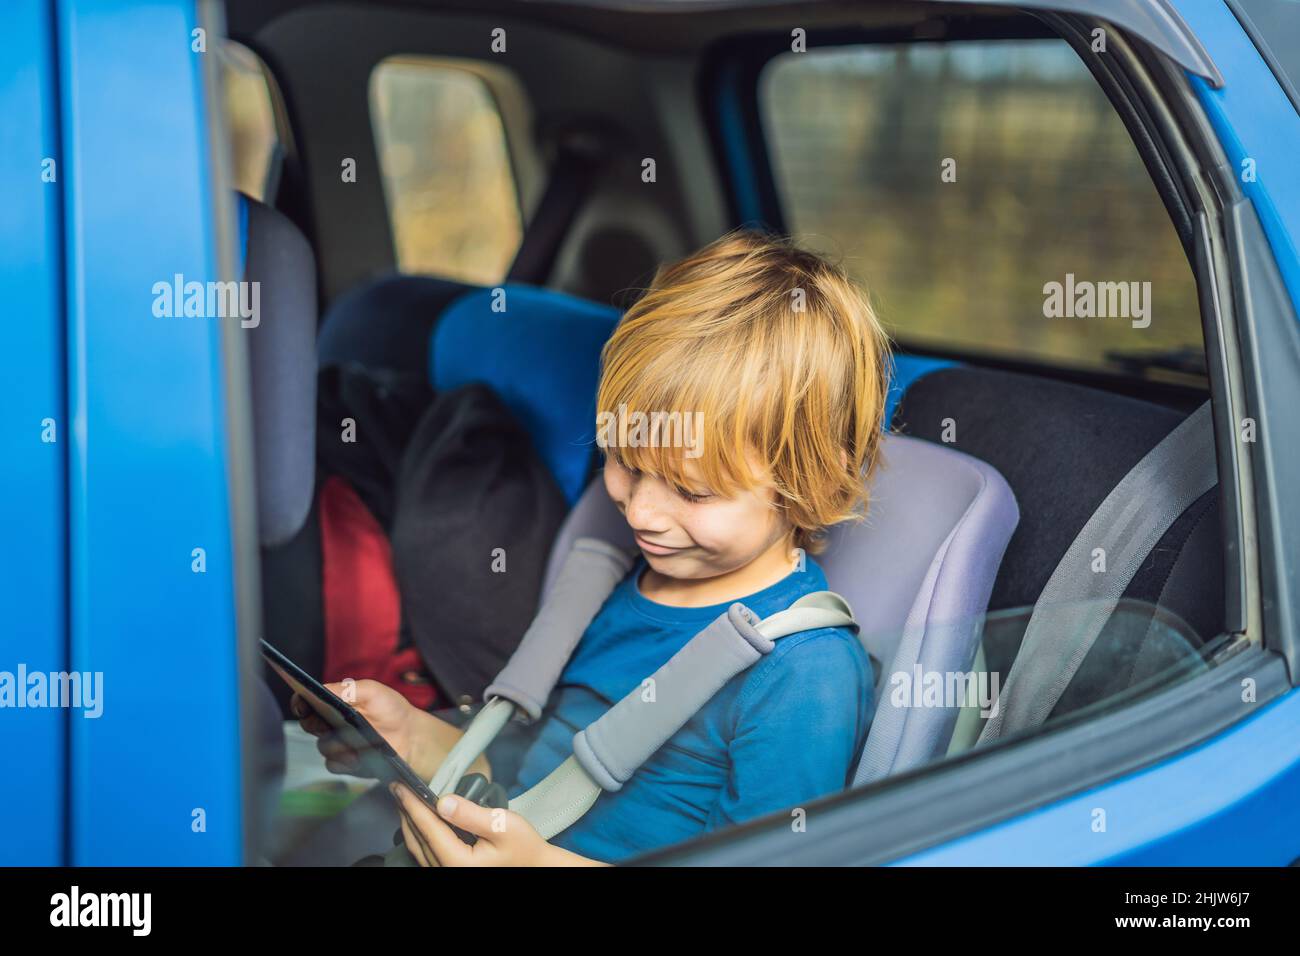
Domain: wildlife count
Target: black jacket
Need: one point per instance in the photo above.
(476, 513)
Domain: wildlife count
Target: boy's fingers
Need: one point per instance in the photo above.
(348, 692)
(331, 746)
(331, 749)
(414, 842)
(314, 724)
(338, 757)
(310, 721)
(469, 816)
(444, 845)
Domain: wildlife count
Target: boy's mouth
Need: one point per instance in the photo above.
(658, 549)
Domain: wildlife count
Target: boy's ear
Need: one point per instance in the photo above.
(844, 459)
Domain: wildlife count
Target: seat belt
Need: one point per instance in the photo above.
(1077, 602)
(612, 748)
(590, 572)
(609, 750)
(573, 175)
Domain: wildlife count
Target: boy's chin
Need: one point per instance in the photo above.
(686, 566)
(661, 561)
(680, 565)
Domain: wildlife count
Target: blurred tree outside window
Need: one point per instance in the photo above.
(1046, 181)
(445, 162)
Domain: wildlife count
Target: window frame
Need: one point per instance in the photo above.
(491, 78)
(881, 822)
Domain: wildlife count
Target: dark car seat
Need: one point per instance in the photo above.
(282, 373)
(386, 323)
(282, 367)
(1063, 448)
(282, 381)
(540, 352)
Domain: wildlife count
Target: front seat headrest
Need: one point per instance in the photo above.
(282, 368)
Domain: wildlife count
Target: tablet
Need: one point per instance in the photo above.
(378, 759)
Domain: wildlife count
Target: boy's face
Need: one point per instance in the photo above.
(692, 533)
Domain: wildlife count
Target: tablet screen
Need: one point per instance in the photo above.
(378, 759)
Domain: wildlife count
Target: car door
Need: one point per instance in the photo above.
(121, 580)
(34, 436)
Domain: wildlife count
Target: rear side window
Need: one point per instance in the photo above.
(448, 183)
(989, 198)
(250, 119)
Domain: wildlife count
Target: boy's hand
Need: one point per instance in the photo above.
(504, 837)
(391, 714)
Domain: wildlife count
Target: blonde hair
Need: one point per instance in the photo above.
(779, 356)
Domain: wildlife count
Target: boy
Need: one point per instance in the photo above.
(778, 358)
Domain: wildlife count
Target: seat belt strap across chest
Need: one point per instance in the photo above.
(1078, 601)
(611, 748)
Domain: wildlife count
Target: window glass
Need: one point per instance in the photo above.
(446, 168)
(988, 196)
(250, 119)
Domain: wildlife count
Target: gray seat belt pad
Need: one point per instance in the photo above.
(625, 736)
(1078, 601)
(610, 749)
(480, 733)
(591, 571)
(589, 574)
(632, 730)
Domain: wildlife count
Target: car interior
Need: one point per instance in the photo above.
(399, 166)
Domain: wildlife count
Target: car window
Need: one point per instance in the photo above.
(988, 196)
(446, 168)
(250, 118)
(1143, 647)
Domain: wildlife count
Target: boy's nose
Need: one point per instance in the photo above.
(645, 512)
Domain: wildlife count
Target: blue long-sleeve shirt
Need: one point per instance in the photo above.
(784, 732)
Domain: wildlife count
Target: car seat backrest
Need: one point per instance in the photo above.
(1063, 448)
(282, 367)
(540, 352)
(386, 323)
(917, 573)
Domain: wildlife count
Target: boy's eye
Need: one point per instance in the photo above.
(694, 497)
